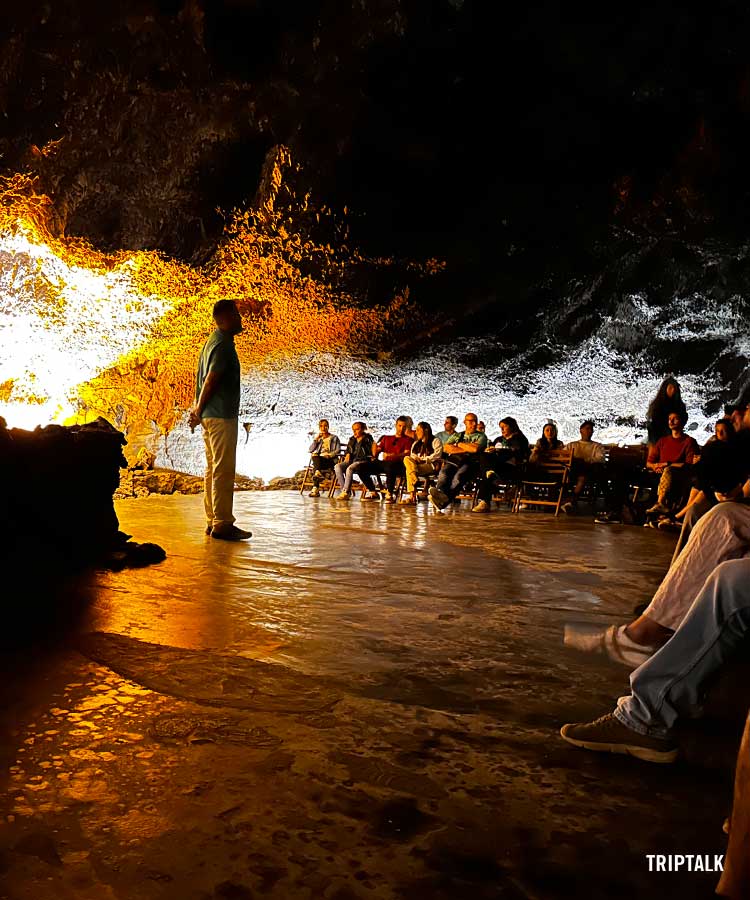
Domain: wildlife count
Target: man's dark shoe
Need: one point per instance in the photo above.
(233, 533)
(209, 529)
(610, 518)
(609, 735)
(438, 499)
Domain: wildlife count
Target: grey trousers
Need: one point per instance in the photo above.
(669, 685)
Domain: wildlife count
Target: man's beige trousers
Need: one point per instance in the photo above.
(220, 438)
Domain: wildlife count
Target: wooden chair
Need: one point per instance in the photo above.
(544, 481)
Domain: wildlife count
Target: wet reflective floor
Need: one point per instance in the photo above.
(361, 702)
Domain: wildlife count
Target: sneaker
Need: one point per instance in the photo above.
(423, 495)
(371, 495)
(343, 495)
(209, 529)
(610, 518)
(232, 533)
(568, 508)
(657, 509)
(407, 500)
(667, 524)
(614, 642)
(608, 735)
(315, 492)
(388, 497)
(438, 499)
(481, 507)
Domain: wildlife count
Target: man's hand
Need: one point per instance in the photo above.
(194, 419)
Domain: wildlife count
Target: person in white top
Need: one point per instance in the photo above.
(588, 457)
(425, 452)
(324, 454)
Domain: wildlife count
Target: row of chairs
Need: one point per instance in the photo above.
(544, 484)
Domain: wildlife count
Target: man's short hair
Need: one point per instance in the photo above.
(589, 422)
(452, 419)
(223, 306)
(404, 419)
(471, 415)
(320, 422)
(682, 416)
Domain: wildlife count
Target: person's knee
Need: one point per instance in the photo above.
(733, 576)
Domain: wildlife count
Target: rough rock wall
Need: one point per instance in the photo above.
(56, 507)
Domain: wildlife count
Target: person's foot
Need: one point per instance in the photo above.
(343, 495)
(667, 524)
(658, 509)
(608, 518)
(371, 495)
(230, 533)
(408, 500)
(481, 507)
(315, 492)
(209, 529)
(608, 735)
(614, 642)
(568, 508)
(388, 497)
(423, 495)
(438, 499)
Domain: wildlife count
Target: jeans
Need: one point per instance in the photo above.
(670, 683)
(345, 472)
(391, 468)
(454, 474)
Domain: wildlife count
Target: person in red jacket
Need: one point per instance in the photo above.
(671, 458)
(392, 449)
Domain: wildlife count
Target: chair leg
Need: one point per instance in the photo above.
(305, 478)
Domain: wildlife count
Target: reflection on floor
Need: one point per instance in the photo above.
(361, 702)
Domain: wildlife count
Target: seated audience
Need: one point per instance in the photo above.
(449, 429)
(460, 462)
(670, 684)
(668, 400)
(723, 433)
(501, 462)
(394, 448)
(722, 533)
(548, 441)
(422, 459)
(359, 451)
(324, 450)
(588, 459)
(669, 458)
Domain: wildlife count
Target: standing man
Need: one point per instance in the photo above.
(217, 405)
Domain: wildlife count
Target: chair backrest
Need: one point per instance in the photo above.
(554, 462)
(632, 456)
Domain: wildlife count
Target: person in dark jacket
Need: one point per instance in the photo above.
(502, 461)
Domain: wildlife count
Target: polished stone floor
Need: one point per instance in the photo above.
(361, 702)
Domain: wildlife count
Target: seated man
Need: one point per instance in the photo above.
(588, 460)
(722, 533)
(460, 462)
(360, 450)
(324, 453)
(670, 458)
(449, 429)
(501, 462)
(394, 448)
(670, 684)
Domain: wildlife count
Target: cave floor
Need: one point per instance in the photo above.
(361, 702)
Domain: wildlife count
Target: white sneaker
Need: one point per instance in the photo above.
(388, 497)
(614, 643)
(315, 492)
(343, 495)
(372, 495)
(481, 507)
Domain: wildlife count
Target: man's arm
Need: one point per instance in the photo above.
(209, 388)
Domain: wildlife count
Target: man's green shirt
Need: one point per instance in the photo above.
(220, 355)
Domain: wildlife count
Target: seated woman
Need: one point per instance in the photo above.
(548, 441)
(502, 461)
(422, 459)
(324, 454)
(724, 433)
